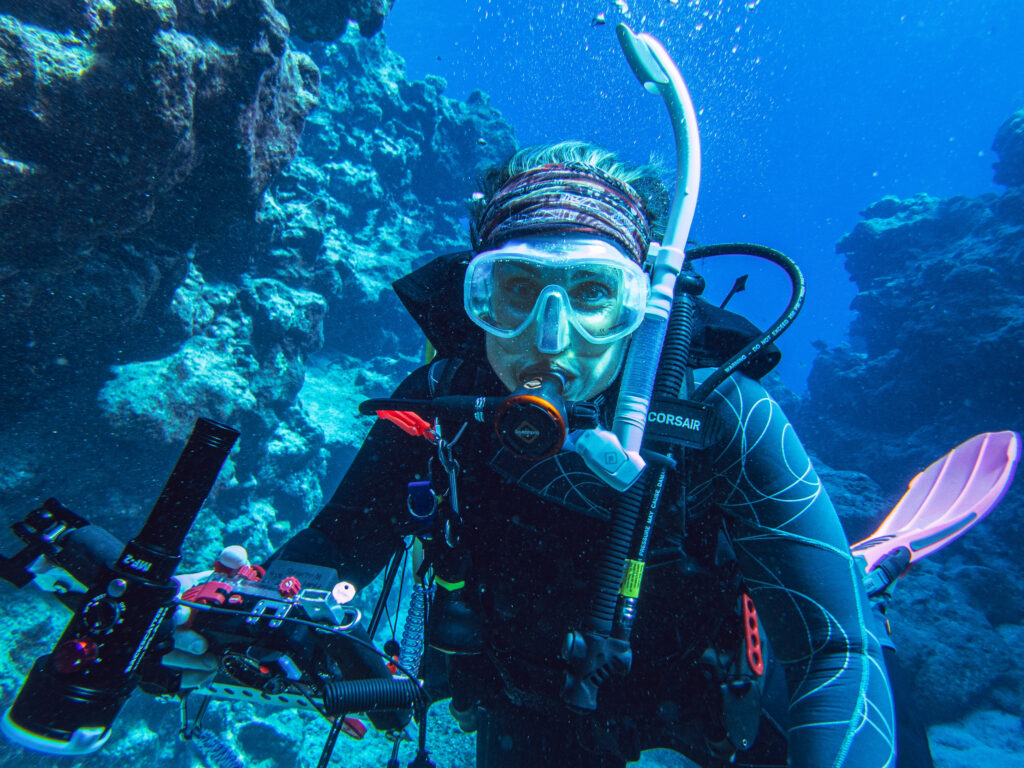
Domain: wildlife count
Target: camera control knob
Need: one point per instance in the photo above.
(101, 614)
(73, 654)
(117, 587)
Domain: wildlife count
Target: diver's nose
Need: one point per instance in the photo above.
(552, 323)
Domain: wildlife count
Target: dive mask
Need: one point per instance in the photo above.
(583, 282)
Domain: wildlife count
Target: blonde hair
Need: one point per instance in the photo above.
(644, 179)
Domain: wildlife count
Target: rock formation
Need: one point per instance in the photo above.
(326, 19)
(936, 355)
(129, 336)
(119, 114)
(1009, 145)
(231, 286)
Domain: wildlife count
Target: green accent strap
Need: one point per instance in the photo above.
(451, 586)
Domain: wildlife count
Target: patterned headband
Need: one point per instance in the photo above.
(555, 199)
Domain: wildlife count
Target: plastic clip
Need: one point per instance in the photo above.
(410, 423)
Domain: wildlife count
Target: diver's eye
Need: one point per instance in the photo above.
(591, 294)
(520, 292)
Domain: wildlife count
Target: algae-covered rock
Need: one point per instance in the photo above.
(388, 168)
(991, 738)
(937, 341)
(1009, 145)
(119, 346)
(956, 656)
(327, 19)
(123, 113)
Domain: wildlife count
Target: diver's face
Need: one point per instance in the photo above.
(564, 304)
(588, 368)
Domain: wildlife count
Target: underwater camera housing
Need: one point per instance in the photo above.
(72, 695)
(281, 637)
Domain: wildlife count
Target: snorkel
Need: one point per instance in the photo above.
(601, 648)
(614, 455)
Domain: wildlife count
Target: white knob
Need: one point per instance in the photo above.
(233, 557)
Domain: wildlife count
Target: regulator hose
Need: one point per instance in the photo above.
(603, 649)
(343, 697)
(626, 515)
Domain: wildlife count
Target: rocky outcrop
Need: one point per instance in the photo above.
(937, 342)
(326, 20)
(1009, 145)
(387, 171)
(131, 129)
(120, 114)
(936, 355)
(130, 340)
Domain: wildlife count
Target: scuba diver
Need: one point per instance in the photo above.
(553, 290)
(596, 593)
(619, 542)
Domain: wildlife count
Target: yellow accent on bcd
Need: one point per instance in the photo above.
(632, 578)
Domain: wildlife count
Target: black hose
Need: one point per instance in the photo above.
(370, 695)
(605, 600)
(676, 351)
(796, 302)
(608, 575)
(612, 609)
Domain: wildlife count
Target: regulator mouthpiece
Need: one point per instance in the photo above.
(532, 421)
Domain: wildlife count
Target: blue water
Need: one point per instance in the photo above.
(808, 112)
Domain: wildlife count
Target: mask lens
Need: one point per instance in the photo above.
(602, 295)
(596, 295)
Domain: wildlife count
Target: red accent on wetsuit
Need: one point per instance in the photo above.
(752, 636)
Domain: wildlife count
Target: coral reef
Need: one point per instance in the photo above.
(126, 341)
(937, 337)
(991, 738)
(277, 324)
(132, 128)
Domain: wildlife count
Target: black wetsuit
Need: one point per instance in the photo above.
(769, 522)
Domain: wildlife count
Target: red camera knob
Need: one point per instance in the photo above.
(72, 654)
(289, 587)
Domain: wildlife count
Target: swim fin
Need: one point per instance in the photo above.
(946, 500)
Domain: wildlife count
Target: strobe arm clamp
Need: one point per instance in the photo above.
(42, 531)
(55, 536)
